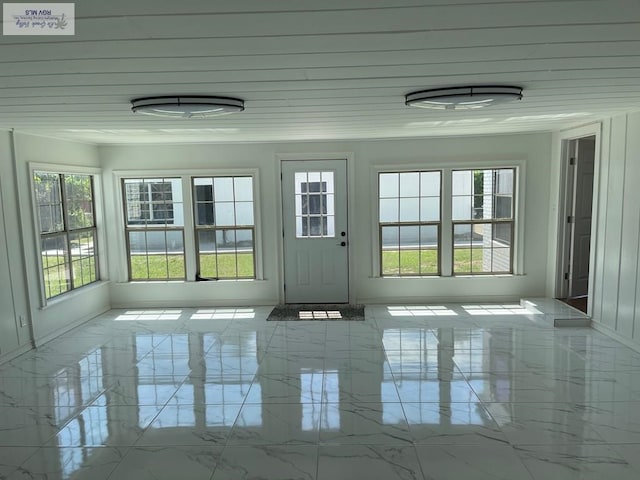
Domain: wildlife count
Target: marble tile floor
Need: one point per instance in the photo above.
(414, 392)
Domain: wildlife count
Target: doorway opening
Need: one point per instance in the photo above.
(576, 209)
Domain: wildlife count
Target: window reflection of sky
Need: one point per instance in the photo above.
(214, 372)
(73, 388)
(426, 364)
(77, 385)
(445, 414)
(225, 375)
(229, 393)
(392, 413)
(182, 415)
(311, 390)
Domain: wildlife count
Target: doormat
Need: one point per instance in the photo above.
(298, 312)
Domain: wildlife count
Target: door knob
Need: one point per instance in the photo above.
(343, 244)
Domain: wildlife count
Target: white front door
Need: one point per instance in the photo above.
(316, 247)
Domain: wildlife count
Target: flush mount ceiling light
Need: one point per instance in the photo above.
(463, 98)
(187, 106)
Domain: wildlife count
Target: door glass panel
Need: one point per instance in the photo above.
(314, 202)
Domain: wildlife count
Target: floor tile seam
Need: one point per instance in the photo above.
(409, 442)
(521, 462)
(124, 457)
(395, 385)
(162, 407)
(234, 426)
(80, 409)
(524, 449)
(615, 446)
(484, 407)
(593, 403)
(36, 450)
(560, 444)
(276, 445)
(317, 460)
(592, 441)
(23, 464)
(268, 343)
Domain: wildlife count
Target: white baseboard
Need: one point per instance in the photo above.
(609, 332)
(5, 357)
(199, 304)
(67, 328)
(439, 300)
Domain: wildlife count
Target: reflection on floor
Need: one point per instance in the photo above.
(413, 392)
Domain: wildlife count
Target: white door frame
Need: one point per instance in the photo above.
(565, 205)
(348, 156)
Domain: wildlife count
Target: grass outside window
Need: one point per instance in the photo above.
(57, 277)
(406, 262)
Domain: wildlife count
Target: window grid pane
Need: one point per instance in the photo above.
(55, 265)
(225, 227)
(315, 204)
(409, 223)
(83, 257)
(65, 208)
(483, 223)
(79, 201)
(154, 221)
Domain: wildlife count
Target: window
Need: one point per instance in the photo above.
(483, 221)
(224, 227)
(154, 228)
(149, 202)
(409, 223)
(68, 240)
(315, 208)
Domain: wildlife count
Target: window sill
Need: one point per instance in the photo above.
(73, 294)
(431, 277)
(181, 282)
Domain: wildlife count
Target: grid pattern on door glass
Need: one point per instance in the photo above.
(315, 204)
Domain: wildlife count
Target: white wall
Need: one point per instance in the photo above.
(532, 152)
(13, 299)
(616, 299)
(58, 314)
(201, 159)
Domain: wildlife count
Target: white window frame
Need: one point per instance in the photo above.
(189, 219)
(417, 223)
(492, 221)
(153, 226)
(446, 223)
(215, 227)
(101, 254)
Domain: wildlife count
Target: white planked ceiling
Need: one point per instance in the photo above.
(330, 69)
